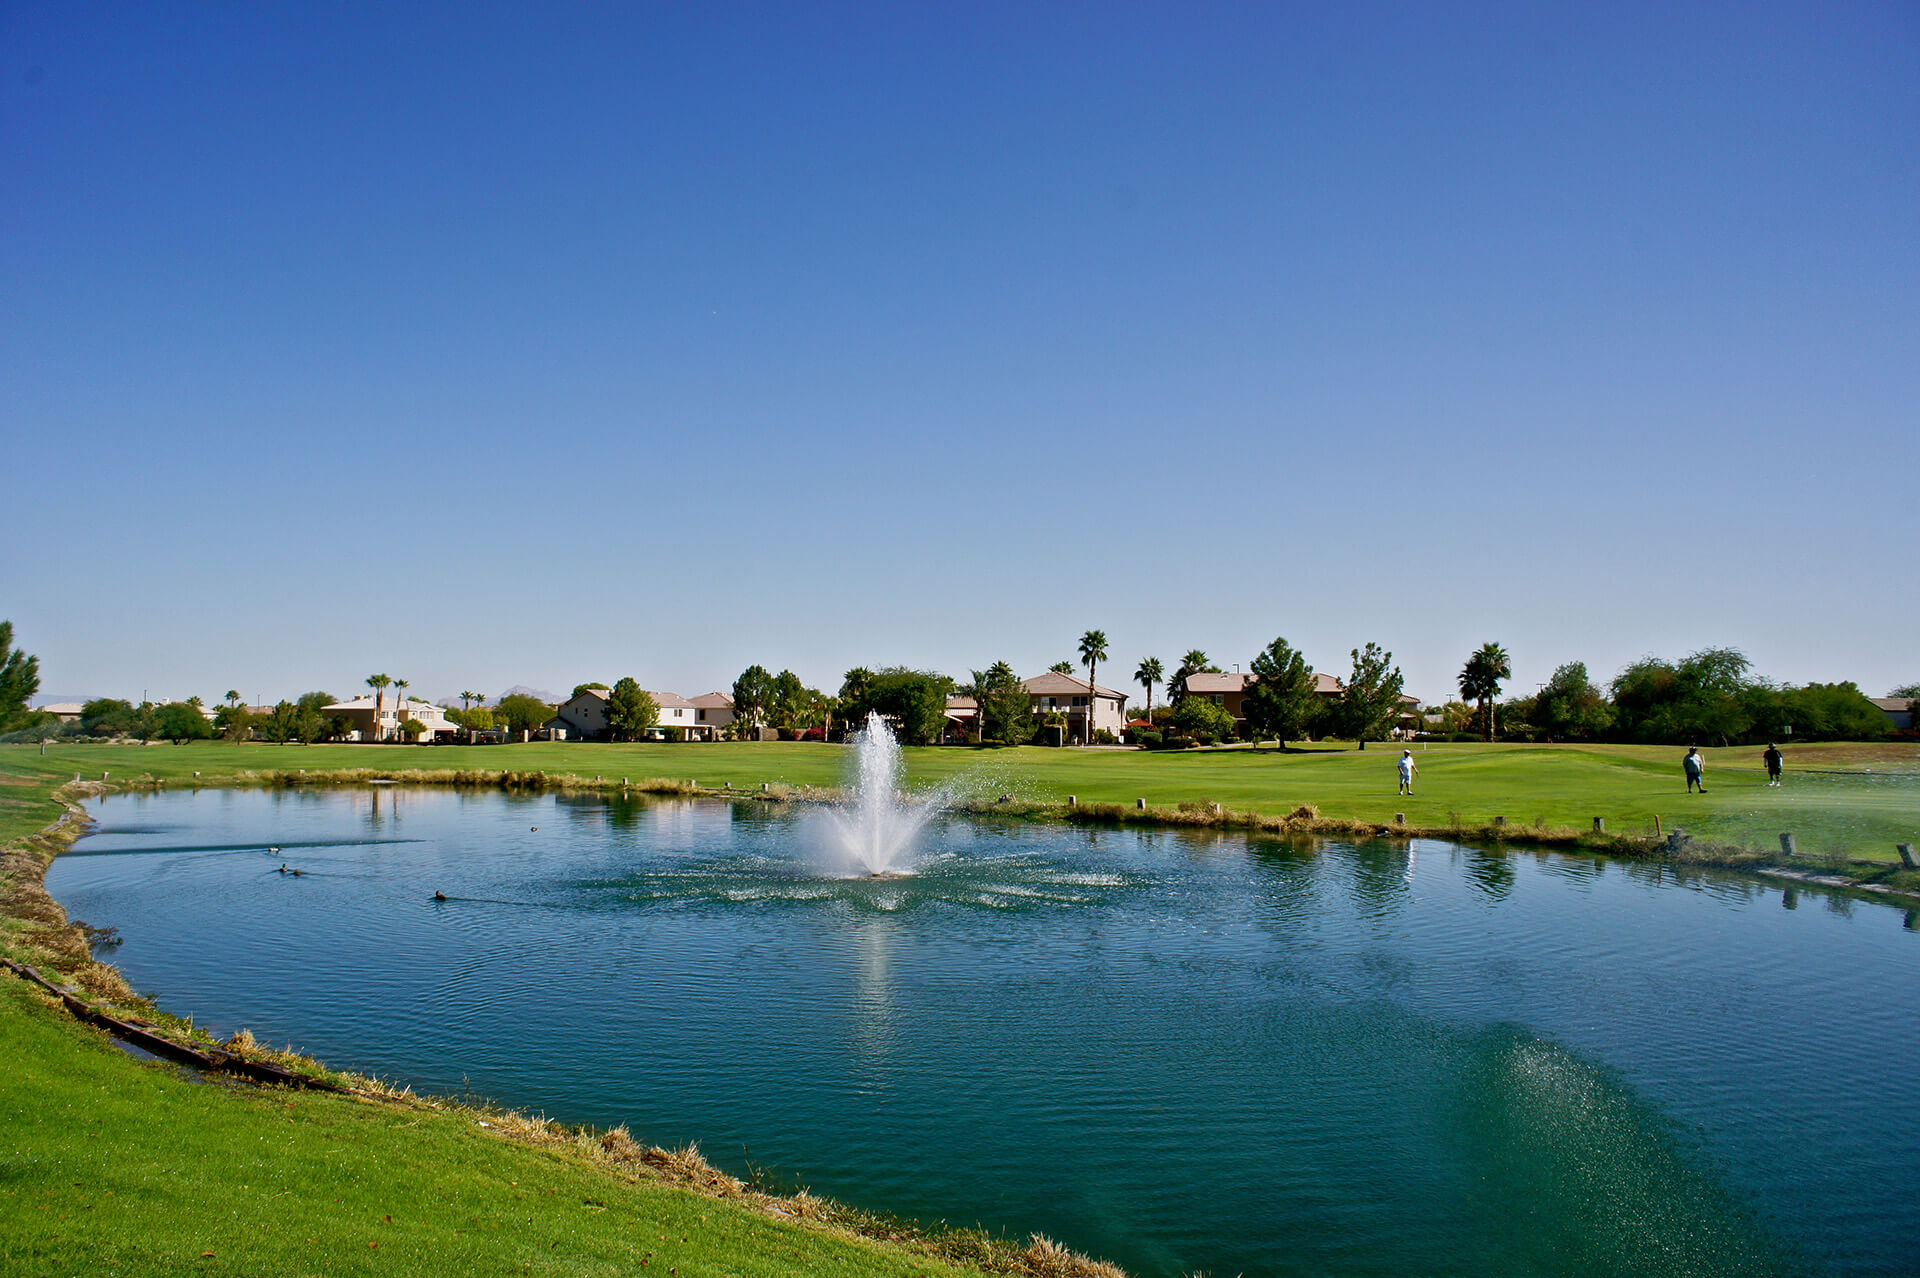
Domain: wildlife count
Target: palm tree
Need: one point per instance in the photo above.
(399, 700)
(1150, 673)
(233, 697)
(1194, 662)
(1093, 651)
(468, 698)
(1480, 679)
(379, 684)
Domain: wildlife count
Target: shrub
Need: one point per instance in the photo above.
(1104, 737)
(1147, 739)
(676, 734)
(788, 734)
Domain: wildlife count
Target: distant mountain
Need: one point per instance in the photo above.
(539, 694)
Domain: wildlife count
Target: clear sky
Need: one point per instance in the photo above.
(484, 345)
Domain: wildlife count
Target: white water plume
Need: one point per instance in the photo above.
(874, 833)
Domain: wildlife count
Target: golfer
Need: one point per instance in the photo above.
(1694, 766)
(1771, 757)
(1407, 769)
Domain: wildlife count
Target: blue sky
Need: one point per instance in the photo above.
(492, 345)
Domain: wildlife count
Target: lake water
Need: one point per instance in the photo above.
(1178, 1052)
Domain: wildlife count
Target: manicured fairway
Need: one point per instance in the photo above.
(1850, 801)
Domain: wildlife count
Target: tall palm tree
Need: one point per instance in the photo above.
(468, 698)
(233, 697)
(379, 684)
(1150, 673)
(1480, 679)
(1093, 651)
(1193, 663)
(399, 700)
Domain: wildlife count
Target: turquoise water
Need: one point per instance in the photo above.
(1183, 1053)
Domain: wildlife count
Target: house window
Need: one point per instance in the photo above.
(1079, 701)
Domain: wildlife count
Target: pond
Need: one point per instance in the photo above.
(1182, 1052)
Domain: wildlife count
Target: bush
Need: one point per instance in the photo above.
(1104, 737)
(676, 734)
(788, 734)
(1147, 739)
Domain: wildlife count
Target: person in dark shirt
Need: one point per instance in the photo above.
(1772, 759)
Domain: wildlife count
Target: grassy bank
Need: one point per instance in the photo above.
(112, 1164)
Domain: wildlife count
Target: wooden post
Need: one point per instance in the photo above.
(1216, 809)
(1656, 826)
(1787, 846)
(1906, 855)
(1499, 823)
(1599, 825)
(1399, 818)
(1073, 800)
(1140, 805)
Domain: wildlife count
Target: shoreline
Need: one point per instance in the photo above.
(96, 993)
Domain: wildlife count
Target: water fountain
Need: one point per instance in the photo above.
(874, 834)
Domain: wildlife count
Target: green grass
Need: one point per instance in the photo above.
(131, 1167)
(109, 1165)
(1832, 805)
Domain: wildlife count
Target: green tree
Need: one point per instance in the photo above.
(107, 717)
(753, 695)
(1829, 712)
(1707, 696)
(1370, 703)
(1148, 673)
(233, 722)
(1061, 667)
(522, 713)
(916, 701)
(1480, 679)
(233, 697)
(282, 723)
(1200, 719)
(1282, 699)
(789, 702)
(400, 700)
(19, 678)
(468, 698)
(1005, 709)
(181, 721)
(1909, 691)
(1195, 662)
(631, 710)
(311, 722)
(1569, 706)
(579, 688)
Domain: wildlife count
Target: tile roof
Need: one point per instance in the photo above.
(1053, 684)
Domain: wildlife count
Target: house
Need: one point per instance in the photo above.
(678, 712)
(1229, 692)
(712, 712)
(380, 719)
(1088, 707)
(584, 717)
(1899, 711)
(64, 711)
(963, 720)
(581, 717)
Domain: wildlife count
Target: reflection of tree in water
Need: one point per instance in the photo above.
(1491, 872)
(1381, 881)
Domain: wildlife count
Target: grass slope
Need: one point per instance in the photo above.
(114, 1166)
